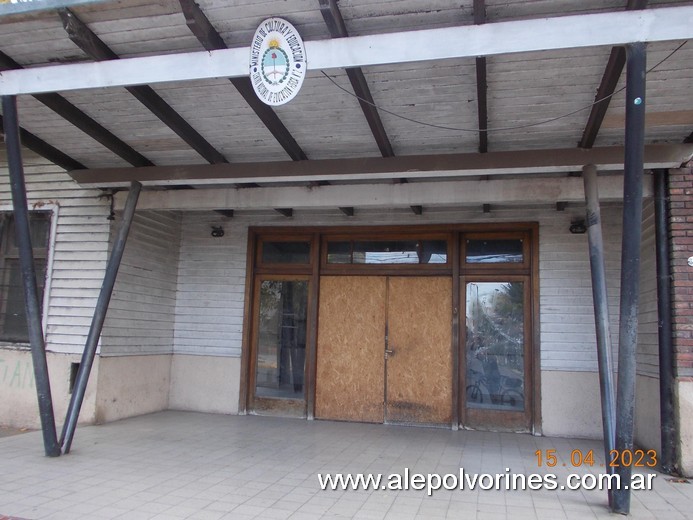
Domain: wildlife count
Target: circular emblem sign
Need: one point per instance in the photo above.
(277, 61)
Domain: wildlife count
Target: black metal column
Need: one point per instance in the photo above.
(601, 311)
(630, 265)
(26, 261)
(667, 370)
(98, 319)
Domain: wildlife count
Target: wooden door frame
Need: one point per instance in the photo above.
(454, 267)
(270, 405)
(505, 419)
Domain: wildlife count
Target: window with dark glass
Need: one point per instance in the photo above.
(280, 252)
(387, 252)
(13, 324)
(495, 251)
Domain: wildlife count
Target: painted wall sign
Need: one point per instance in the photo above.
(277, 61)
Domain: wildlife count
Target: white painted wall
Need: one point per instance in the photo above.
(141, 314)
(81, 248)
(647, 410)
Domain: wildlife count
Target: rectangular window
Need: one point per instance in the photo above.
(13, 324)
(495, 251)
(279, 252)
(387, 252)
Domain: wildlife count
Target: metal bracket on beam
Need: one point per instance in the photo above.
(287, 212)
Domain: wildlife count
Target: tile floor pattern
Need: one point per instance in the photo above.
(173, 465)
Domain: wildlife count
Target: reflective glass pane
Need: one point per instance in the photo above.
(434, 252)
(495, 345)
(39, 224)
(494, 251)
(286, 252)
(339, 252)
(386, 252)
(282, 339)
(13, 324)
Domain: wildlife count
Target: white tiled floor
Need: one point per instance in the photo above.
(174, 465)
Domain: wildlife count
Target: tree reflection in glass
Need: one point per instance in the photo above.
(281, 339)
(495, 345)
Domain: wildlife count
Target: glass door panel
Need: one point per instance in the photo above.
(495, 346)
(281, 339)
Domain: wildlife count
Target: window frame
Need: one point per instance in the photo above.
(51, 211)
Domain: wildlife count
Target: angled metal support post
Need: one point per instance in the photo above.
(26, 261)
(98, 319)
(630, 266)
(667, 366)
(601, 311)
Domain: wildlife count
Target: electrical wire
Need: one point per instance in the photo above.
(495, 129)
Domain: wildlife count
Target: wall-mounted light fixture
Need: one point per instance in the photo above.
(578, 227)
(217, 231)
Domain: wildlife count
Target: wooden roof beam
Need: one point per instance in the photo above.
(335, 24)
(91, 45)
(45, 150)
(530, 162)
(612, 74)
(481, 83)
(211, 40)
(86, 124)
(563, 32)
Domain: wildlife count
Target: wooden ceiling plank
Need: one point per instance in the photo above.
(42, 148)
(337, 28)
(79, 119)
(211, 40)
(607, 86)
(90, 43)
(521, 162)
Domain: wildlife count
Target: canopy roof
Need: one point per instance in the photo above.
(528, 101)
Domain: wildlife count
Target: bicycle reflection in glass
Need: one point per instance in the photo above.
(490, 386)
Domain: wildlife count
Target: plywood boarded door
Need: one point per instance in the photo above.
(350, 353)
(419, 354)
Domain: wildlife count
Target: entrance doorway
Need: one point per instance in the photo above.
(430, 325)
(384, 349)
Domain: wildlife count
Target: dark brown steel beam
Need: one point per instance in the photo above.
(86, 124)
(42, 148)
(336, 26)
(211, 40)
(481, 82)
(90, 43)
(612, 73)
